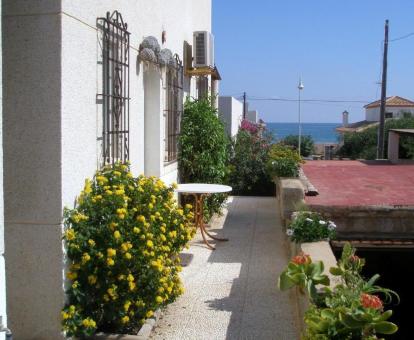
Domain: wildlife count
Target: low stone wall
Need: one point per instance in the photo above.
(379, 222)
(290, 194)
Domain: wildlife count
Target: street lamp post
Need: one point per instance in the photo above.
(300, 88)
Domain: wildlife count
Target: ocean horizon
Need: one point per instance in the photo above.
(320, 132)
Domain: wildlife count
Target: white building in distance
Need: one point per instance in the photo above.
(75, 99)
(395, 107)
(231, 113)
(252, 116)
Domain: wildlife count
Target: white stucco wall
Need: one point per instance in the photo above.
(52, 122)
(231, 112)
(373, 114)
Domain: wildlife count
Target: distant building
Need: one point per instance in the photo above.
(252, 116)
(395, 107)
(231, 113)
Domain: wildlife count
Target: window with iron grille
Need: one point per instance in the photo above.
(173, 109)
(115, 88)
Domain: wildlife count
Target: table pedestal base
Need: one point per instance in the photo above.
(199, 221)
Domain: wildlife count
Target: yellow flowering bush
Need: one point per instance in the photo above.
(122, 239)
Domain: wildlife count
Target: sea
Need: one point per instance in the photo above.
(321, 132)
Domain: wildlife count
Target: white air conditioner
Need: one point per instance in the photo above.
(203, 49)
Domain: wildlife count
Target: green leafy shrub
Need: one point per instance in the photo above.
(353, 309)
(248, 175)
(122, 239)
(307, 145)
(283, 161)
(203, 150)
(310, 227)
(363, 145)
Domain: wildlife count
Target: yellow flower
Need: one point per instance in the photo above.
(149, 314)
(88, 323)
(130, 278)
(117, 173)
(159, 299)
(129, 175)
(117, 234)
(150, 244)
(85, 258)
(125, 319)
(180, 212)
(72, 309)
(108, 192)
(126, 305)
(163, 238)
(99, 255)
(174, 185)
(131, 286)
(71, 275)
(163, 229)
(150, 206)
(112, 225)
(92, 279)
(141, 218)
(111, 252)
(110, 262)
(102, 180)
(70, 234)
(136, 230)
(75, 284)
(91, 242)
(119, 192)
(65, 315)
(188, 206)
(128, 256)
(88, 186)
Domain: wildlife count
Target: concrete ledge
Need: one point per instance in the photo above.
(370, 221)
(143, 334)
(291, 194)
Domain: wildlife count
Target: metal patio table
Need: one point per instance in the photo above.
(199, 191)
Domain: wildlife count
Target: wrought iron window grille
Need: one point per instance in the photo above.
(174, 108)
(115, 88)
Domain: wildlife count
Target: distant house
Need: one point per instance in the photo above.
(231, 113)
(252, 116)
(395, 107)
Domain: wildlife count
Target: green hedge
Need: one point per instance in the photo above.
(203, 149)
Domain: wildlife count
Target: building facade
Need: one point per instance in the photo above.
(395, 107)
(86, 83)
(231, 113)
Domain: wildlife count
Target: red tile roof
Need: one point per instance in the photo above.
(392, 101)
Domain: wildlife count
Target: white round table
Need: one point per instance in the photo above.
(199, 191)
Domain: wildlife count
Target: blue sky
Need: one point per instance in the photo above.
(263, 46)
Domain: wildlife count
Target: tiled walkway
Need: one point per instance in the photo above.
(231, 292)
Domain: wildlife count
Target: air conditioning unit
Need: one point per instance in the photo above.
(203, 49)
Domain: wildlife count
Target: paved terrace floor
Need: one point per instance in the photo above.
(354, 183)
(231, 292)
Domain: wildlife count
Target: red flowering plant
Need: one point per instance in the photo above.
(352, 309)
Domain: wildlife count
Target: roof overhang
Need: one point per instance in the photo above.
(204, 71)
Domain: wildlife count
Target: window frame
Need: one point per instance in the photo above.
(174, 96)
